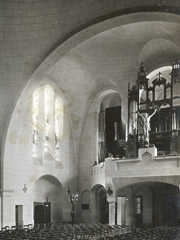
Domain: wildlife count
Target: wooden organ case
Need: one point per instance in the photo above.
(145, 97)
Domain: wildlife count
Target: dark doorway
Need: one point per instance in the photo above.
(166, 207)
(139, 211)
(42, 212)
(19, 215)
(171, 210)
(103, 207)
(114, 132)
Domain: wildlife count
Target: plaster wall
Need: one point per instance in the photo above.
(30, 32)
(20, 168)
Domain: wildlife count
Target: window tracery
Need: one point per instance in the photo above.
(58, 126)
(35, 113)
(47, 109)
(47, 112)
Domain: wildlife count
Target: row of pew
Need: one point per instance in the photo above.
(66, 231)
(91, 231)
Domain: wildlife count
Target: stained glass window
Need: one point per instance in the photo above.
(35, 114)
(48, 108)
(47, 123)
(58, 126)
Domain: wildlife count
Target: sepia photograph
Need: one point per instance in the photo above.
(90, 119)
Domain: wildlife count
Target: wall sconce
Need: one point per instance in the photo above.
(109, 191)
(47, 203)
(24, 188)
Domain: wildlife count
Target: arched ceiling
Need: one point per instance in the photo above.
(102, 26)
(111, 100)
(108, 53)
(114, 56)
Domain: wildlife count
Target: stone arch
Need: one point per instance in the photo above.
(110, 125)
(154, 198)
(103, 25)
(153, 74)
(91, 29)
(120, 183)
(48, 187)
(154, 57)
(91, 120)
(95, 188)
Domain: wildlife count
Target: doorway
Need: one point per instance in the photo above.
(42, 212)
(19, 216)
(103, 207)
(48, 186)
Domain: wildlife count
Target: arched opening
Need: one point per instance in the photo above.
(99, 204)
(47, 197)
(111, 129)
(103, 206)
(47, 123)
(148, 204)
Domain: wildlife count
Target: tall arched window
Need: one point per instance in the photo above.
(47, 112)
(59, 113)
(35, 114)
(48, 109)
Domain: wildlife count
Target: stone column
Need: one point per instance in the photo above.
(112, 211)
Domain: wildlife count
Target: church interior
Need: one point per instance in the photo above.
(90, 119)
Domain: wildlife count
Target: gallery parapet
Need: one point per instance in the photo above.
(97, 169)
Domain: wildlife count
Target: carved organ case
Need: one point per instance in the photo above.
(145, 97)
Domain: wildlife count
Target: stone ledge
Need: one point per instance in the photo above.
(128, 160)
(166, 157)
